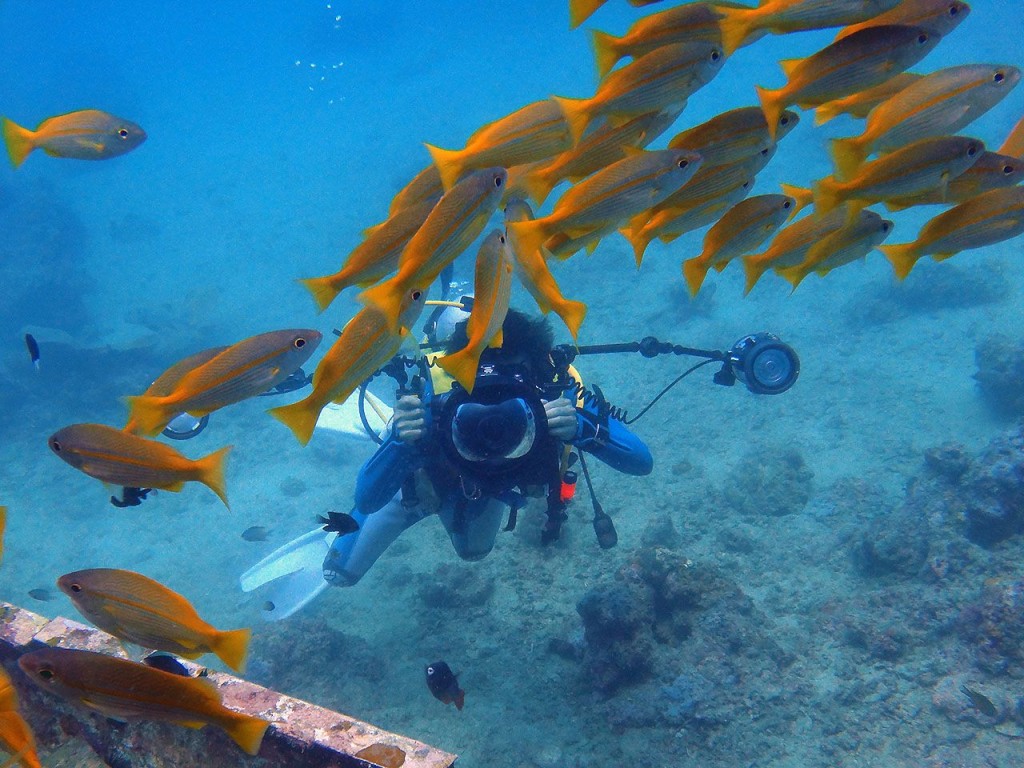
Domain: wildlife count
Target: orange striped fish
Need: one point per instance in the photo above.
(365, 344)
(861, 103)
(136, 609)
(128, 690)
(88, 134)
(168, 380)
(790, 246)
(425, 185)
(456, 221)
(533, 273)
(120, 458)
(862, 60)
(15, 735)
(734, 135)
(538, 131)
(992, 171)
(623, 189)
(376, 257)
(847, 244)
(241, 371)
(939, 16)
(492, 291)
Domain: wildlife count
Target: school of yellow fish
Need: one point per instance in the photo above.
(908, 154)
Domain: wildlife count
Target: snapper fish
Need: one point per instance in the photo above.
(492, 291)
(129, 690)
(862, 60)
(861, 103)
(781, 16)
(991, 217)
(939, 16)
(136, 609)
(1014, 144)
(243, 370)
(164, 384)
(15, 735)
(992, 171)
(89, 134)
(847, 244)
(581, 10)
(124, 459)
(790, 246)
(734, 135)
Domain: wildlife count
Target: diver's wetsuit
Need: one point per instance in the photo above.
(472, 524)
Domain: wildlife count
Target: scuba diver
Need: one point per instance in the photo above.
(471, 457)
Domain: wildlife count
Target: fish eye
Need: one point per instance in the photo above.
(416, 295)
(57, 447)
(681, 163)
(123, 133)
(783, 120)
(787, 204)
(497, 181)
(430, 670)
(953, 10)
(998, 77)
(46, 674)
(923, 38)
(501, 238)
(299, 343)
(972, 150)
(1007, 170)
(716, 55)
(886, 225)
(76, 587)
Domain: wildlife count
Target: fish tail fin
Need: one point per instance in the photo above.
(538, 186)
(736, 25)
(461, 366)
(450, 164)
(211, 473)
(695, 270)
(606, 53)
(848, 155)
(246, 731)
(581, 10)
(232, 646)
(529, 236)
(147, 414)
(638, 236)
(826, 196)
(577, 115)
(386, 298)
(825, 112)
(902, 256)
(772, 106)
(793, 275)
(753, 268)
(19, 141)
(300, 417)
(323, 289)
(572, 314)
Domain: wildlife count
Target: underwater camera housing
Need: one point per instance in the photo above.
(763, 362)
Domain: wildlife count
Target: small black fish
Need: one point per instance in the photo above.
(130, 497)
(33, 349)
(167, 663)
(443, 683)
(43, 595)
(256, 533)
(338, 522)
(979, 701)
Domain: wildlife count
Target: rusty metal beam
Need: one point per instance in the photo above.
(302, 735)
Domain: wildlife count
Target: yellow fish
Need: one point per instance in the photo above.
(139, 610)
(668, 222)
(365, 344)
(781, 16)
(936, 105)
(861, 103)
(88, 134)
(538, 131)
(734, 135)
(991, 217)
(425, 185)
(1014, 144)
(128, 690)
(168, 380)
(376, 257)
(939, 16)
(862, 60)
(657, 80)
(992, 171)
(744, 227)
(623, 189)
(456, 221)
(598, 149)
(535, 276)
(682, 24)
(908, 171)
(241, 371)
(790, 246)
(120, 458)
(492, 290)
(848, 243)
(15, 735)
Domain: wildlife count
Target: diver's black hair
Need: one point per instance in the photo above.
(526, 336)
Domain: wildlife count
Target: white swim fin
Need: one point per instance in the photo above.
(291, 576)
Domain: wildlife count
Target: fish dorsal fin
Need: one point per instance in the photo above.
(789, 65)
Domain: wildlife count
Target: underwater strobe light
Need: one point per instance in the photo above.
(763, 362)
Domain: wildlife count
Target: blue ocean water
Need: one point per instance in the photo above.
(279, 131)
